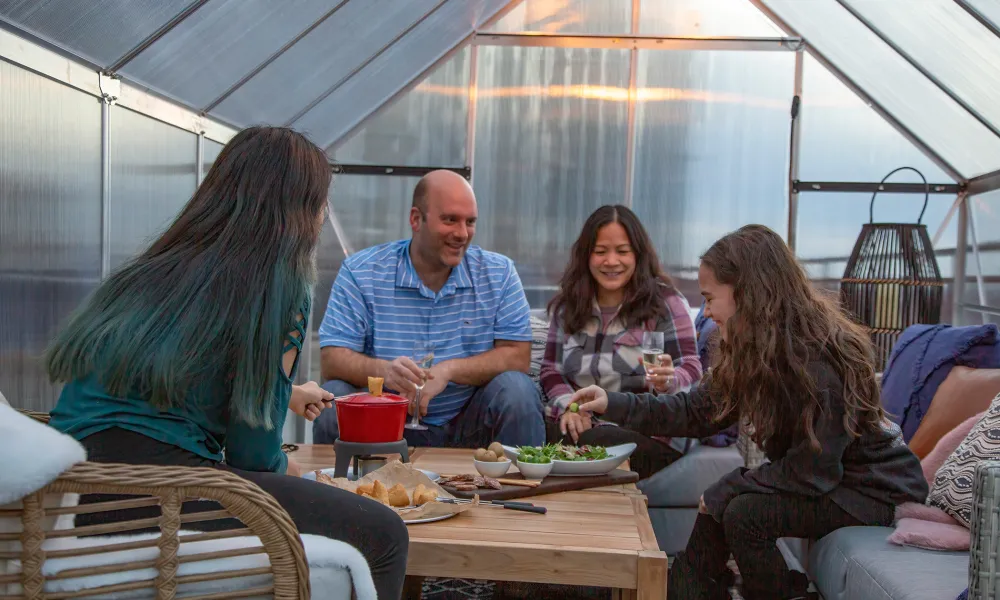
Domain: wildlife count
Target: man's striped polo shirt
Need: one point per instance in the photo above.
(379, 307)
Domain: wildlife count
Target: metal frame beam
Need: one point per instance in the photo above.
(159, 33)
(416, 79)
(870, 187)
(46, 62)
(636, 42)
(365, 63)
(793, 153)
(972, 10)
(105, 188)
(888, 41)
(959, 260)
(633, 94)
(396, 170)
(270, 59)
(470, 123)
(984, 183)
(854, 87)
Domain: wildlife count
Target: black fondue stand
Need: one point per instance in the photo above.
(359, 451)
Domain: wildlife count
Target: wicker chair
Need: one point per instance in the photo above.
(285, 577)
(984, 551)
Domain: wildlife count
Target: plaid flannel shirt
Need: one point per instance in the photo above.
(611, 357)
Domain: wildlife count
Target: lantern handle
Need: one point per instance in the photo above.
(927, 193)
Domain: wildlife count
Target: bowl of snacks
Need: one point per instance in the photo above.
(491, 462)
(532, 463)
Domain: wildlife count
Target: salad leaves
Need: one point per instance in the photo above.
(551, 452)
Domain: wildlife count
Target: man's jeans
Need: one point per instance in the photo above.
(507, 409)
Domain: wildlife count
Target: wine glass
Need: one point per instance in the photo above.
(423, 355)
(652, 348)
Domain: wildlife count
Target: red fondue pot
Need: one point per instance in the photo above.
(364, 418)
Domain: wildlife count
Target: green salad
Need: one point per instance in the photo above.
(551, 452)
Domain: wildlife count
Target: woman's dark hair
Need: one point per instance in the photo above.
(574, 302)
(213, 298)
(782, 324)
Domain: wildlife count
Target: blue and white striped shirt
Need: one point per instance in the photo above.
(379, 307)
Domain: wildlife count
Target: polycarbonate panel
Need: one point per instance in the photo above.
(371, 211)
(895, 84)
(550, 148)
(407, 61)
(843, 139)
(209, 152)
(426, 127)
(567, 16)
(101, 31)
(222, 42)
(712, 132)
(830, 222)
(990, 9)
(321, 59)
(985, 211)
(701, 18)
(153, 175)
(948, 42)
(50, 222)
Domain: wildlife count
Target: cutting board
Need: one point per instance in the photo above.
(549, 485)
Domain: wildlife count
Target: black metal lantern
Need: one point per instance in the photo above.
(892, 279)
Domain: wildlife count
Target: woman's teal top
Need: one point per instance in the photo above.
(201, 424)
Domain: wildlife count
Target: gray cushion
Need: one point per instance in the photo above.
(682, 483)
(857, 563)
(673, 527)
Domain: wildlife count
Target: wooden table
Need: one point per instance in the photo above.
(600, 537)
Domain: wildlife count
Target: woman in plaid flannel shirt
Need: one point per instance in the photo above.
(611, 292)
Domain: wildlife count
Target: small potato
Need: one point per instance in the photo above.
(398, 496)
(479, 454)
(497, 448)
(489, 456)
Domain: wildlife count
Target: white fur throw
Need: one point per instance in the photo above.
(32, 454)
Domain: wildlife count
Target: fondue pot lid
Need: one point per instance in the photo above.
(369, 400)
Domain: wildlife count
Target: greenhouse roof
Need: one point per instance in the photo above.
(930, 67)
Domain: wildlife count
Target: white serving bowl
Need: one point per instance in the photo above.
(534, 470)
(492, 469)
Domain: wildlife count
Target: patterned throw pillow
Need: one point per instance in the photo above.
(952, 489)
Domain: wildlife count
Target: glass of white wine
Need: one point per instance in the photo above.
(423, 355)
(652, 348)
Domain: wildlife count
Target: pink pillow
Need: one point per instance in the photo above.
(912, 510)
(945, 446)
(930, 535)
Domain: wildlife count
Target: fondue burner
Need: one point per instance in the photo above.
(362, 455)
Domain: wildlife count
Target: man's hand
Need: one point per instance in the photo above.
(308, 400)
(701, 505)
(574, 424)
(661, 377)
(591, 399)
(438, 377)
(294, 469)
(402, 375)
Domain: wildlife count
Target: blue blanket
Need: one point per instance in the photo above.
(921, 360)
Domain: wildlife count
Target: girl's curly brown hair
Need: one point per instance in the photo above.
(782, 324)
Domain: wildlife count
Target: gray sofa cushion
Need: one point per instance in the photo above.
(672, 527)
(857, 563)
(682, 483)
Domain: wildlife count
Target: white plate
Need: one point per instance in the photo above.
(430, 519)
(616, 456)
(350, 474)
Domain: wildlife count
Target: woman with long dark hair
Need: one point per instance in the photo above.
(187, 353)
(612, 291)
(801, 375)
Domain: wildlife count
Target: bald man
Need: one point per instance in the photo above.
(435, 289)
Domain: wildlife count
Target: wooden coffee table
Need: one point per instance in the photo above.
(599, 537)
